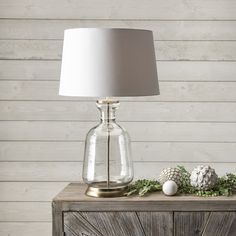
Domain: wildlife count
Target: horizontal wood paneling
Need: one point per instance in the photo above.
(162, 30)
(72, 171)
(25, 229)
(192, 122)
(165, 50)
(142, 151)
(41, 171)
(195, 50)
(87, 111)
(30, 191)
(30, 50)
(180, 70)
(129, 9)
(170, 91)
(25, 211)
(139, 131)
(31, 70)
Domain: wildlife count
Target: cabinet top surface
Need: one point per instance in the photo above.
(74, 192)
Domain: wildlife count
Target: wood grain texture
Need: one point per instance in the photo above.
(190, 223)
(41, 139)
(26, 228)
(162, 30)
(87, 111)
(165, 50)
(154, 9)
(205, 223)
(156, 223)
(153, 223)
(154, 131)
(76, 225)
(221, 223)
(154, 214)
(180, 70)
(174, 152)
(57, 220)
(225, 220)
(115, 223)
(25, 211)
(73, 198)
(72, 171)
(29, 70)
(29, 191)
(30, 49)
(41, 211)
(170, 91)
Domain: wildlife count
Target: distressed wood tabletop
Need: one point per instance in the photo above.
(73, 197)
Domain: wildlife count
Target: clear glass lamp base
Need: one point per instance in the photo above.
(108, 167)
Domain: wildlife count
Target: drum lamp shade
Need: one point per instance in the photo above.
(100, 62)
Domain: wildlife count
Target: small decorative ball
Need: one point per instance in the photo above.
(170, 174)
(169, 188)
(203, 177)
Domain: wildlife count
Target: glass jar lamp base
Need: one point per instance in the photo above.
(108, 167)
(100, 191)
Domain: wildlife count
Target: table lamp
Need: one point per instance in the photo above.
(108, 63)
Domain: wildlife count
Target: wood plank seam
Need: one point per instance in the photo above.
(141, 226)
(206, 224)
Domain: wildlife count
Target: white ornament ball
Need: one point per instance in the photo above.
(169, 188)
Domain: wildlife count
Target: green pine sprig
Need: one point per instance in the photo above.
(185, 186)
(225, 186)
(142, 187)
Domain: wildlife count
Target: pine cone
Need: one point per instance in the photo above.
(170, 174)
(203, 178)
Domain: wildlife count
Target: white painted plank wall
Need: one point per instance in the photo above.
(165, 50)
(41, 134)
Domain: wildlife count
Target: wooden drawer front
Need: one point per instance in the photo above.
(205, 223)
(118, 223)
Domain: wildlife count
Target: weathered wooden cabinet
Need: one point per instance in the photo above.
(155, 215)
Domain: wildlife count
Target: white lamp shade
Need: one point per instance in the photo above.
(99, 62)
